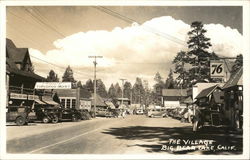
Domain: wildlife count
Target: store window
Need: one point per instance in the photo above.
(63, 103)
(68, 103)
(73, 103)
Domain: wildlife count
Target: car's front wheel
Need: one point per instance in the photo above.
(45, 120)
(20, 121)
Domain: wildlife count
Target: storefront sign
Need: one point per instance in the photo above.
(217, 69)
(53, 85)
(18, 96)
(33, 97)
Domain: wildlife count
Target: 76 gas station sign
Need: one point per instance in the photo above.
(217, 69)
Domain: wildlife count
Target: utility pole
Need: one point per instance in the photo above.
(95, 63)
(122, 79)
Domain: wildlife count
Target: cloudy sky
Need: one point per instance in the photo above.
(135, 41)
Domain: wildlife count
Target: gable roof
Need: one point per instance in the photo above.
(174, 92)
(187, 100)
(110, 104)
(24, 73)
(99, 100)
(206, 92)
(16, 54)
(235, 79)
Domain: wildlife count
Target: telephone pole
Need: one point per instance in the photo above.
(95, 63)
(122, 79)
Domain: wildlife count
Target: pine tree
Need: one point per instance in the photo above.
(52, 77)
(112, 92)
(237, 64)
(127, 91)
(138, 91)
(170, 80)
(118, 90)
(79, 84)
(199, 57)
(101, 89)
(90, 86)
(68, 75)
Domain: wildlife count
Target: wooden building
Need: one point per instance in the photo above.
(233, 100)
(78, 98)
(171, 98)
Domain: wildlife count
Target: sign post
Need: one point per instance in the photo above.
(217, 69)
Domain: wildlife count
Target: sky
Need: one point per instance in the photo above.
(143, 42)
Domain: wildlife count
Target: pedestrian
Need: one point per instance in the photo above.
(123, 113)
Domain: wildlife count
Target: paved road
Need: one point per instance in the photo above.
(131, 135)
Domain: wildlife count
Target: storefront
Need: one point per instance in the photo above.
(233, 107)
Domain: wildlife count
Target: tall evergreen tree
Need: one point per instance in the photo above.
(118, 90)
(101, 89)
(138, 91)
(68, 75)
(127, 91)
(170, 80)
(199, 57)
(237, 64)
(112, 92)
(79, 84)
(52, 77)
(159, 85)
(90, 86)
(194, 65)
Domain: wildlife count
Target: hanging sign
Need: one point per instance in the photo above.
(18, 96)
(217, 69)
(53, 85)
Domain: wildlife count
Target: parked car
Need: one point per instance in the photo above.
(70, 114)
(157, 113)
(139, 112)
(45, 113)
(18, 114)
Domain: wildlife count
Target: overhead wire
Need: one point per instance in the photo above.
(44, 23)
(147, 28)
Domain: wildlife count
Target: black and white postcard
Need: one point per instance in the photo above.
(124, 79)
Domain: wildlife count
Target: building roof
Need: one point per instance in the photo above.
(235, 79)
(187, 100)
(110, 104)
(206, 92)
(174, 92)
(24, 73)
(99, 100)
(16, 54)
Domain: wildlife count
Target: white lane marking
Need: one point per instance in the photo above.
(60, 142)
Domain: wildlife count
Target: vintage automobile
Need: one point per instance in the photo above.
(18, 114)
(139, 111)
(45, 113)
(70, 114)
(204, 116)
(157, 113)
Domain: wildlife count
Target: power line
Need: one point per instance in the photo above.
(77, 72)
(44, 23)
(147, 28)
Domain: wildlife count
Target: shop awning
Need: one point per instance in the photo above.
(49, 100)
(39, 101)
(187, 100)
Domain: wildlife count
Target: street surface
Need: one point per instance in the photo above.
(135, 134)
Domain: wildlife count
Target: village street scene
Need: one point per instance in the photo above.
(124, 80)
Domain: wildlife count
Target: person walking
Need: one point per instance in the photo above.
(124, 113)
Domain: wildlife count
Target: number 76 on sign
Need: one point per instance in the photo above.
(217, 69)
